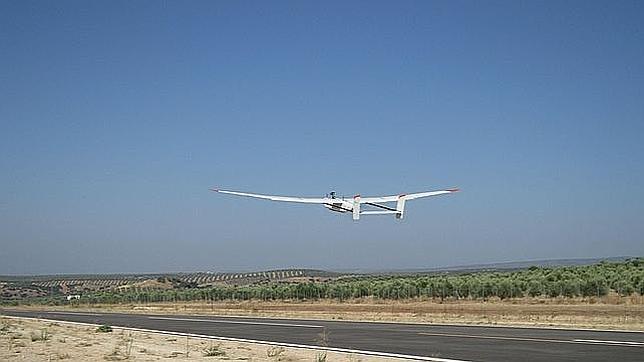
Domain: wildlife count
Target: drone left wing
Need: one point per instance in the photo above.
(304, 200)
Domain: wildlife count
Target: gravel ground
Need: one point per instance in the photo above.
(39, 340)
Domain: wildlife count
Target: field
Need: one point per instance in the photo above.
(601, 295)
(33, 340)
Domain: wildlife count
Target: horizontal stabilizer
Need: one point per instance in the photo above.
(377, 212)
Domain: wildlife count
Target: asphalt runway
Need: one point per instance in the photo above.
(415, 341)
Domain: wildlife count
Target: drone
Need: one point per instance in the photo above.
(379, 205)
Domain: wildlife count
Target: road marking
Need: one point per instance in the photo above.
(75, 313)
(610, 342)
(546, 340)
(238, 322)
(292, 345)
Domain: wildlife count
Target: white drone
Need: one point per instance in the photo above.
(352, 205)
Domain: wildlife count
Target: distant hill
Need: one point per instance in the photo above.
(503, 266)
(191, 277)
(20, 287)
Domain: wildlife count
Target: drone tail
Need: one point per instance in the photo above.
(356, 207)
(400, 207)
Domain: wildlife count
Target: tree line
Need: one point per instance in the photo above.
(624, 278)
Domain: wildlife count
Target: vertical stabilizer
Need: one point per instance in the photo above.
(400, 207)
(356, 207)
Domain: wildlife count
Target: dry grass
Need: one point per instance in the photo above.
(611, 312)
(72, 342)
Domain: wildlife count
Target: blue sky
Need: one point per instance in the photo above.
(116, 117)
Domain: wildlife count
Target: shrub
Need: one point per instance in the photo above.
(43, 336)
(276, 352)
(104, 329)
(213, 351)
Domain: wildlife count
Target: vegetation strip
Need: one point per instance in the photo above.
(598, 280)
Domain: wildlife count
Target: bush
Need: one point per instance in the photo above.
(320, 357)
(275, 352)
(43, 336)
(104, 329)
(213, 351)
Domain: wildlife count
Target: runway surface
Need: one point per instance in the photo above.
(421, 341)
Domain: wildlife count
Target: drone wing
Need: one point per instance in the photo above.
(417, 195)
(304, 200)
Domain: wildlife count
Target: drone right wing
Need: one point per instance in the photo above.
(417, 195)
(399, 200)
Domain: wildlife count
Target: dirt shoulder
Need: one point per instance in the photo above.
(623, 314)
(40, 340)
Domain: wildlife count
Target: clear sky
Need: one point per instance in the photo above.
(117, 116)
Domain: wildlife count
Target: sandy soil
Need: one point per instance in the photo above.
(33, 340)
(625, 313)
